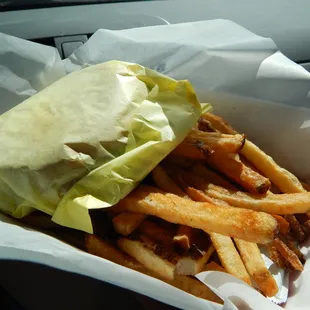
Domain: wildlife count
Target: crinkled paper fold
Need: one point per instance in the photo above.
(87, 140)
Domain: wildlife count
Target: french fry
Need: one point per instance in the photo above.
(193, 150)
(211, 176)
(244, 224)
(293, 246)
(146, 253)
(164, 182)
(125, 223)
(256, 268)
(275, 256)
(104, 249)
(194, 287)
(296, 228)
(194, 261)
(284, 225)
(213, 266)
(288, 254)
(156, 232)
(234, 169)
(217, 141)
(274, 204)
(198, 195)
(205, 125)
(229, 257)
(218, 123)
(282, 178)
(183, 237)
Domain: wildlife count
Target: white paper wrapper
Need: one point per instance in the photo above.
(247, 81)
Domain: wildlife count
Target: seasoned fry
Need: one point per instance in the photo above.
(289, 255)
(284, 225)
(194, 287)
(256, 268)
(156, 232)
(145, 253)
(229, 257)
(193, 149)
(296, 228)
(234, 169)
(205, 125)
(194, 261)
(273, 204)
(282, 178)
(244, 224)
(213, 266)
(275, 256)
(217, 141)
(293, 246)
(183, 238)
(198, 195)
(125, 223)
(164, 182)
(218, 123)
(99, 247)
(211, 176)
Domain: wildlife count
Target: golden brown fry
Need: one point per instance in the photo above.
(217, 141)
(234, 169)
(104, 249)
(256, 268)
(145, 253)
(198, 195)
(289, 255)
(296, 228)
(211, 176)
(205, 125)
(194, 287)
(293, 246)
(275, 256)
(192, 149)
(156, 232)
(164, 182)
(213, 266)
(284, 225)
(194, 261)
(229, 257)
(125, 223)
(282, 178)
(183, 238)
(244, 224)
(218, 123)
(273, 204)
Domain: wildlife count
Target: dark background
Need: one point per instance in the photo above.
(28, 286)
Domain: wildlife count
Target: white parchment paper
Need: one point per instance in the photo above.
(245, 78)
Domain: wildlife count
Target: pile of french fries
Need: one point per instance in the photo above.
(212, 204)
